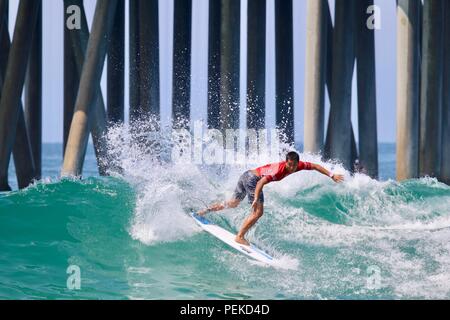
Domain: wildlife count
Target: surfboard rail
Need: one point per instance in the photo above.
(227, 237)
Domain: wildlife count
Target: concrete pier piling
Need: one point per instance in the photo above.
(88, 90)
(71, 75)
(10, 103)
(430, 152)
(329, 58)
(229, 64)
(33, 95)
(366, 79)
(256, 64)
(23, 159)
(214, 28)
(182, 38)
(144, 59)
(329, 86)
(445, 163)
(98, 122)
(284, 74)
(408, 84)
(332, 52)
(116, 67)
(4, 17)
(339, 134)
(223, 64)
(4, 52)
(23, 154)
(315, 75)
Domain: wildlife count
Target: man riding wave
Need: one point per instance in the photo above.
(252, 182)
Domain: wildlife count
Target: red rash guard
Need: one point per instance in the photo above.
(277, 172)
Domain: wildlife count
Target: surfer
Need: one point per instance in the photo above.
(251, 184)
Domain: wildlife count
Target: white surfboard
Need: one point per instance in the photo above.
(226, 236)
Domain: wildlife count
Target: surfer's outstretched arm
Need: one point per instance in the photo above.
(336, 177)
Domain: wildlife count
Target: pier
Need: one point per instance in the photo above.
(340, 45)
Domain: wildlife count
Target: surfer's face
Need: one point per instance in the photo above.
(291, 166)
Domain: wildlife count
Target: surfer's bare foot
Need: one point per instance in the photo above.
(203, 212)
(241, 240)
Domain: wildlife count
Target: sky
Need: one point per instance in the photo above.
(53, 65)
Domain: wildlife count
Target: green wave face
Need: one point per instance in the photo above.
(48, 227)
(131, 238)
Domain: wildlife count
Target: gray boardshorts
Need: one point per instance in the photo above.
(246, 187)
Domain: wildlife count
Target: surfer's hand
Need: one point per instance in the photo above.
(338, 178)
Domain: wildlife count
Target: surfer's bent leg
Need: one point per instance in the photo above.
(255, 214)
(233, 203)
(239, 194)
(249, 222)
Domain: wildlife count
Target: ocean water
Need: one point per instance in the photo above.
(129, 235)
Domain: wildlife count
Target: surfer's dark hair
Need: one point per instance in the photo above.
(293, 156)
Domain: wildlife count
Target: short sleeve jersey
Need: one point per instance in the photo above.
(277, 172)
